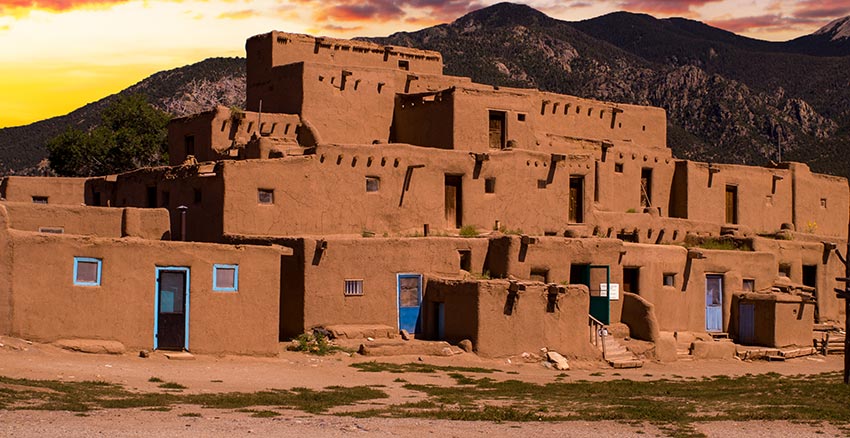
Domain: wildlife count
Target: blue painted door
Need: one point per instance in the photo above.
(409, 301)
(171, 326)
(714, 303)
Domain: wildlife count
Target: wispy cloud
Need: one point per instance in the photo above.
(743, 24)
(387, 10)
(822, 9)
(240, 15)
(667, 7)
(23, 7)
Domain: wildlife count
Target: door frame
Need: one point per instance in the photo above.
(398, 278)
(186, 271)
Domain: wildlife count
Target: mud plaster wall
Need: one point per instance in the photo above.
(48, 307)
(459, 299)
(647, 228)
(821, 203)
(326, 193)
(376, 261)
(780, 320)
(795, 255)
(530, 326)
(57, 190)
(198, 187)
(673, 304)
(619, 178)
(92, 221)
(424, 120)
(5, 273)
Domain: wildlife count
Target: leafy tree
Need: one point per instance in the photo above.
(132, 134)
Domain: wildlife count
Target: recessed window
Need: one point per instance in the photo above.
(373, 184)
(520, 117)
(353, 288)
(749, 285)
(39, 199)
(189, 144)
(490, 185)
(618, 167)
(541, 183)
(823, 202)
(404, 65)
(87, 271)
(51, 230)
(539, 274)
(226, 278)
(265, 196)
(465, 259)
(669, 279)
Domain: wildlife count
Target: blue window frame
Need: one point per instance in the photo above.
(226, 278)
(87, 271)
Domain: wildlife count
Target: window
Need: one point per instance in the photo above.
(39, 199)
(189, 144)
(520, 117)
(87, 271)
(749, 285)
(404, 65)
(490, 185)
(373, 184)
(669, 279)
(353, 288)
(785, 270)
(823, 202)
(198, 196)
(539, 274)
(465, 259)
(51, 230)
(618, 167)
(541, 183)
(226, 278)
(265, 196)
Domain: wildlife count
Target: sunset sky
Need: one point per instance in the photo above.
(57, 55)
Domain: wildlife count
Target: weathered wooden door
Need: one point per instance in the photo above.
(497, 129)
(409, 301)
(453, 201)
(731, 205)
(713, 303)
(576, 213)
(646, 187)
(746, 323)
(172, 309)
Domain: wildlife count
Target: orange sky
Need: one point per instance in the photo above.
(57, 55)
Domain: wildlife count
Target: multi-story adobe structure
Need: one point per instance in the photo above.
(363, 187)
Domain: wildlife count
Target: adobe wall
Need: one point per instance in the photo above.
(326, 193)
(5, 273)
(780, 320)
(214, 132)
(47, 306)
(619, 170)
(274, 49)
(794, 254)
(91, 221)
(57, 190)
(198, 187)
(376, 261)
(677, 307)
(648, 227)
(498, 325)
(821, 202)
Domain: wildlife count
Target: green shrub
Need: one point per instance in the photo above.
(468, 231)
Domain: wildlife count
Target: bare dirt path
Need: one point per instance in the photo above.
(208, 374)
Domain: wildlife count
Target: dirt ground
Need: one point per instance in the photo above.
(208, 374)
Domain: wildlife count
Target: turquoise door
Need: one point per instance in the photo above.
(409, 287)
(714, 303)
(594, 277)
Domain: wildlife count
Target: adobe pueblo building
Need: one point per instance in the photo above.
(364, 191)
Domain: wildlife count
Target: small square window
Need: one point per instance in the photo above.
(353, 288)
(618, 167)
(541, 183)
(265, 196)
(373, 184)
(226, 278)
(404, 65)
(465, 259)
(669, 279)
(749, 285)
(823, 202)
(87, 271)
(39, 199)
(490, 185)
(520, 117)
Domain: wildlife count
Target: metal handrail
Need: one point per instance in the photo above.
(597, 333)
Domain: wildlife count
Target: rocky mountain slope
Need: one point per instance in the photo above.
(729, 98)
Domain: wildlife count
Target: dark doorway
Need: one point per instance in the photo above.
(646, 187)
(150, 200)
(497, 129)
(631, 280)
(810, 278)
(576, 214)
(731, 204)
(172, 306)
(454, 201)
(465, 259)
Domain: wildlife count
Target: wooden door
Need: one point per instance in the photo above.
(409, 301)
(172, 309)
(453, 201)
(497, 129)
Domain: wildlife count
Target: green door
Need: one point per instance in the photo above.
(594, 276)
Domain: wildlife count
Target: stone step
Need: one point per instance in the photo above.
(620, 364)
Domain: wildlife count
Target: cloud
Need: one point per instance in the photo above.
(822, 9)
(24, 7)
(667, 7)
(239, 15)
(743, 24)
(388, 10)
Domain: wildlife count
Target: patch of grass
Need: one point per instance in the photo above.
(468, 231)
(260, 413)
(171, 385)
(400, 380)
(155, 380)
(315, 343)
(191, 415)
(413, 367)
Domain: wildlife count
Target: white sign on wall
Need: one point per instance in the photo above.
(615, 291)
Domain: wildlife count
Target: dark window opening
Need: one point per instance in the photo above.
(785, 270)
(497, 130)
(39, 199)
(96, 198)
(576, 207)
(669, 280)
(373, 184)
(541, 183)
(197, 195)
(748, 285)
(731, 204)
(618, 167)
(465, 259)
(403, 64)
(490, 185)
(189, 143)
(580, 274)
(520, 117)
(539, 274)
(454, 201)
(265, 196)
(151, 197)
(631, 279)
(810, 275)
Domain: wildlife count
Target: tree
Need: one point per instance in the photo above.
(132, 134)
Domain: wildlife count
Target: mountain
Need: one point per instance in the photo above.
(729, 98)
(179, 92)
